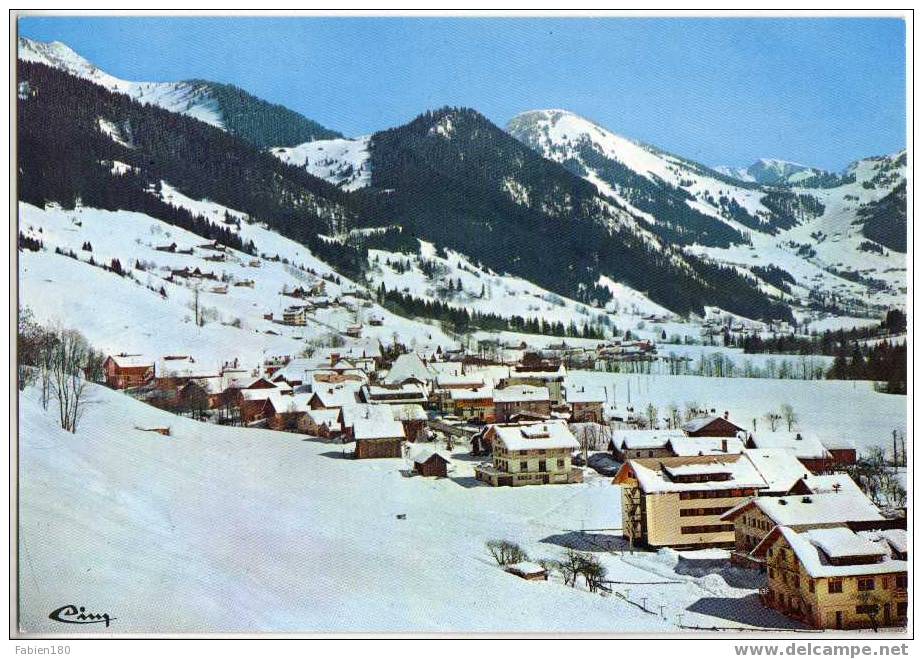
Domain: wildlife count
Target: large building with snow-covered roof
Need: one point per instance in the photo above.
(837, 578)
(521, 398)
(753, 520)
(535, 453)
(679, 501)
(711, 426)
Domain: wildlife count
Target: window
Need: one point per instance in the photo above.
(867, 584)
(901, 582)
(697, 512)
(560, 463)
(902, 609)
(706, 528)
(834, 585)
(867, 609)
(523, 465)
(811, 586)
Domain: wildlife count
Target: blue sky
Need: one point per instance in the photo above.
(721, 91)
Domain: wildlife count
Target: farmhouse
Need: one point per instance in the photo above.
(258, 411)
(125, 371)
(408, 369)
(631, 444)
(332, 397)
(753, 520)
(678, 502)
(780, 468)
(586, 405)
(521, 398)
(711, 426)
(377, 437)
(530, 454)
(476, 404)
(547, 374)
(837, 578)
(321, 423)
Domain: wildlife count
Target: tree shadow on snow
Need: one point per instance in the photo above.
(743, 610)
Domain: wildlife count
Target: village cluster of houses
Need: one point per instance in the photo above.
(780, 501)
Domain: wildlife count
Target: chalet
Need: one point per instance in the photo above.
(688, 446)
(377, 437)
(521, 398)
(632, 444)
(530, 454)
(753, 520)
(587, 404)
(376, 320)
(408, 369)
(807, 448)
(711, 426)
(430, 461)
(171, 248)
(127, 371)
(678, 501)
(413, 418)
(332, 397)
(842, 454)
(448, 381)
(475, 404)
(321, 423)
(256, 411)
(349, 414)
(837, 578)
(295, 315)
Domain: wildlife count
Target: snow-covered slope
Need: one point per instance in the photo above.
(343, 162)
(191, 99)
(135, 317)
(812, 233)
(773, 171)
(222, 529)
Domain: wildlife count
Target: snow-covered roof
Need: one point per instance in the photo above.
(377, 428)
(801, 444)
(420, 453)
(324, 416)
(687, 446)
(408, 412)
(654, 474)
(695, 425)
(471, 394)
(825, 483)
(354, 411)
(778, 466)
(525, 567)
(530, 436)
(132, 361)
(521, 393)
(587, 395)
(459, 380)
(336, 395)
(814, 549)
(896, 539)
(409, 392)
(806, 510)
(644, 439)
(408, 366)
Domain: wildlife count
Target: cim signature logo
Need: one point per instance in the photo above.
(74, 615)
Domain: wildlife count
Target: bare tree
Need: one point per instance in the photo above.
(594, 572)
(773, 419)
(673, 415)
(651, 412)
(68, 386)
(592, 437)
(789, 415)
(506, 552)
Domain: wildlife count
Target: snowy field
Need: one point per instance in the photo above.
(228, 529)
(830, 409)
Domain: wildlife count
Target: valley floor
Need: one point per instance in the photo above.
(217, 529)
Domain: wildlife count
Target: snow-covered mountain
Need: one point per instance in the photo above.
(824, 229)
(225, 106)
(343, 162)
